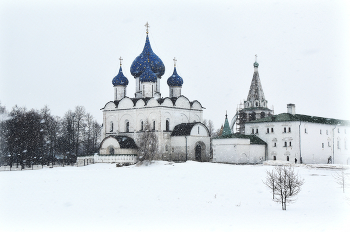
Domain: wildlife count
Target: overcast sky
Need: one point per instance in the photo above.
(66, 53)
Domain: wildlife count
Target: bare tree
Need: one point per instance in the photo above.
(284, 183)
(342, 178)
(148, 144)
(271, 182)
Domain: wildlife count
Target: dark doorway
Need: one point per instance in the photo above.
(198, 153)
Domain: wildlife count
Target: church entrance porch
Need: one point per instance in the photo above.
(198, 153)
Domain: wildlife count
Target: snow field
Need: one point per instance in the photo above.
(187, 196)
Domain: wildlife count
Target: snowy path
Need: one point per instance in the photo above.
(180, 197)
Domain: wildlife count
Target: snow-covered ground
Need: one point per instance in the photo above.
(188, 196)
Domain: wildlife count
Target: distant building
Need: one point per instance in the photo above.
(302, 138)
(291, 137)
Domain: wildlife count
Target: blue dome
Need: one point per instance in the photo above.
(175, 79)
(140, 63)
(120, 79)
(148, 75)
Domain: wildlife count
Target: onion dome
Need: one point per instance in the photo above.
(147, 55)
(120, 79)
(175, 79)
(148, 75)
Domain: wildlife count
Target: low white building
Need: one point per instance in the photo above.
(238, 148)
(302, 138)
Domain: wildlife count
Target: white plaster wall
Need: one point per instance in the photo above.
(125, 103)
(175, 91)
(182, 102)
(119, 92)
(199, 130)
(238, 151)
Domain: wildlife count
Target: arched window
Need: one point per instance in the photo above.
(287, 158)
(111, 150)
(154, 125)
(262, 115)
(252, 116)
(167, 125)
(111, 127)
(256, 104)
(285, 144)
(141, 125)
(274, 157)
(127, 126)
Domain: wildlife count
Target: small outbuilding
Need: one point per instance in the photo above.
(238, 148)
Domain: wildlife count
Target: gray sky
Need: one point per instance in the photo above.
(65, 53)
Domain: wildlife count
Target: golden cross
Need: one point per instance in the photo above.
(256, 57)
(120, 61)
(174, 61)
(147, 26)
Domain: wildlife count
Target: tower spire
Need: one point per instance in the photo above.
(256, 64)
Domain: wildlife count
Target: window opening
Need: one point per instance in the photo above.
(167, 125)
(111, 127)
(127, 127)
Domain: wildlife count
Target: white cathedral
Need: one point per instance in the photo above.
(175, 120)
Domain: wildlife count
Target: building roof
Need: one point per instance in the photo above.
(159, 100)
(148, 75)
(147, 55)
(286, 117)
(253, 138)
(184, 129)
(175, 79)
(256, 108)
(120, 79)
(125, 142)
(255, 92)
(226, 131)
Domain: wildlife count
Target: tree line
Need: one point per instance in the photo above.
(30, 137)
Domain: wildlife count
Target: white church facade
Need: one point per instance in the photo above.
(176, 121)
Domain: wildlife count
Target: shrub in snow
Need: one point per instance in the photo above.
(342, 178)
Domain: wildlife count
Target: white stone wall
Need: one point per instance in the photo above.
(175, 91)
(119, 92)
(237, 151)
(130, 159)
(307, 145)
